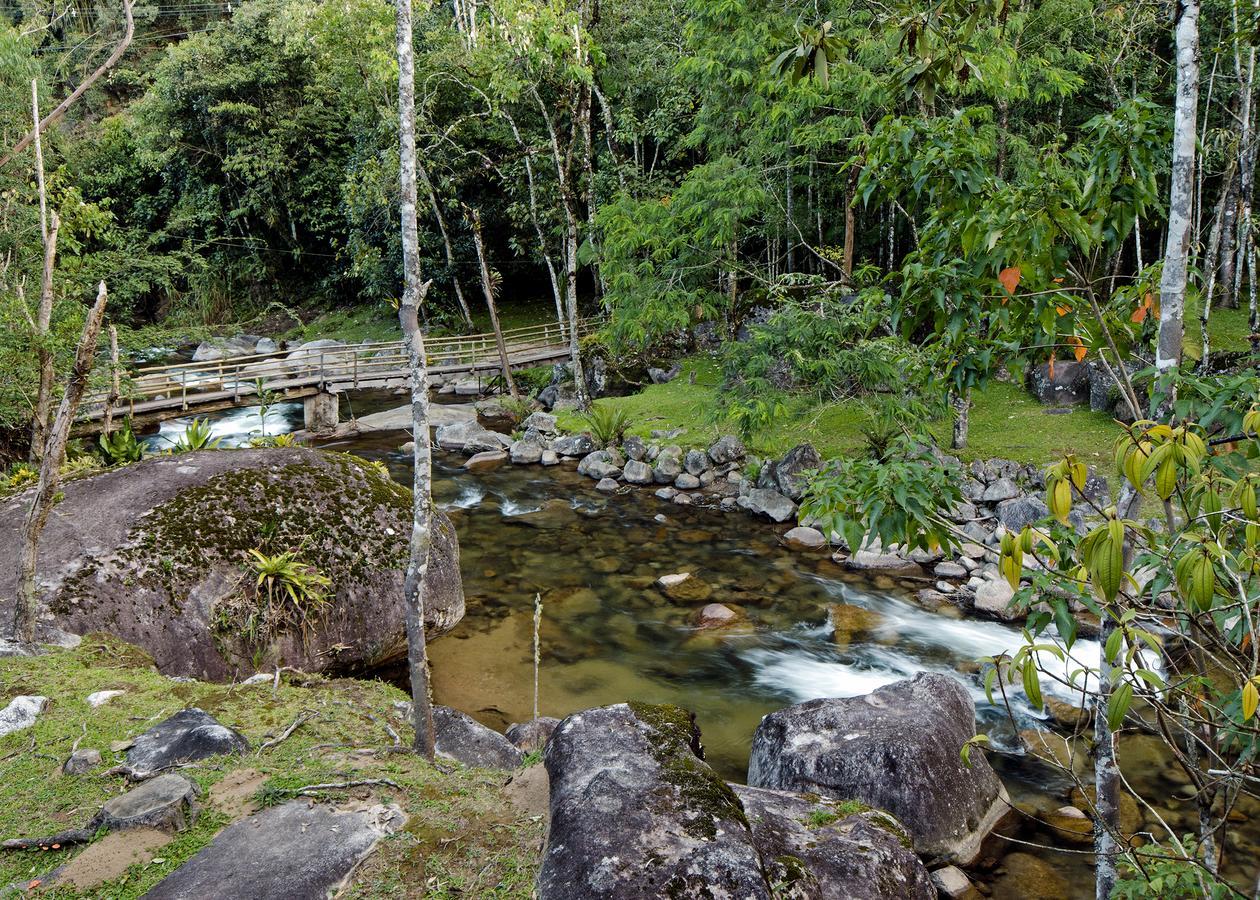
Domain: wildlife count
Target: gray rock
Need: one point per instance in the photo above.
(802, 538)
(769, 503)
(696, 462)
(525, 452)
(21, 713)
(896, 749)
(531, 735)
(481, 441)
(726, 449)
(573, 445)
(486, 461)
(636, 472)
(265, 345)
(81, 761)
(545, 423)
(189, 735)
(949, 569)
(1020, 511)
(295, 851)
(874, 559)
(667, 468)
(1002, 489)
(821, 849)
(607, 485)
(637, 814)
(550, 458)
(661, 376)
(167, 801)
(683, 499)
(686, 482)
(469, 437)
(951, 883)
(598, 465)
(463, 739)
(787, 474)
(993, 596)
(666, 493)
(1068, 387)
(635, 448)
(707, 477)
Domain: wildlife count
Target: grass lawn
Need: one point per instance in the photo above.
(1005, 422)
(1227, 329)
(462, 838)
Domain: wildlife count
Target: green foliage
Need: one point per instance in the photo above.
(607, 423)
(274, 440)
(1167, 874)
(898, 500)
(197, 436)
(121, 447)
(288, 593)
(20, 476)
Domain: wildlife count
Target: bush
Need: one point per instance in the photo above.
(607, 424)
(121, 447)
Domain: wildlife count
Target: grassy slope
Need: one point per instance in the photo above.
(494, 855)
(1227, 328)
(1005, 422)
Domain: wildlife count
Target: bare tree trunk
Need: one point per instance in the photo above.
(487, 288)
(422, 483)
(43, 315)
(1172, 288)
(26, 610)
(962, 409)
(1209, 274)
(850, 222)
(1246, 177)
(41, 125)
(446, 242)
(790, 262)
(1229, 242)
(111, 400)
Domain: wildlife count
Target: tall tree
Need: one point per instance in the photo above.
(408, 316)
(1172, 285)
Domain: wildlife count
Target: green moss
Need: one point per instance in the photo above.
(699, 787)
(489, 841)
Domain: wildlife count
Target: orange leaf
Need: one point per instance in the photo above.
(1050, 368)
(1080, 350)
(1147, 304)
(1009, 277)
(1063, 310)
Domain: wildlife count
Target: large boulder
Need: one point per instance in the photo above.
(156, 553)
(636, 813)
(816, 849)
(768, 503)
(897, 749)
(470, 437)
(462, 738)
(1066, 385)
(191, 734)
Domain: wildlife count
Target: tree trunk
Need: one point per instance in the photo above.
(1209, 275)
(1106, 777)
(487, 288)
(43, 315)
(115, 390)
(446, 242)
(962, 409)
(1172, 288)
(1246, 180)
(790, 262)
(422, 482)
(850, 219)
(1228, 299)
(26, 609)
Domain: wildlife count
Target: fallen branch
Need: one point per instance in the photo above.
(302, 718)
(53, 842)
(341, 785)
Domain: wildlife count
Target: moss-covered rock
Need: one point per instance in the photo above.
(157, 554)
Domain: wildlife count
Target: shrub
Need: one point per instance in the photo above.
(607, 424)
(197, 436)
(121, 447)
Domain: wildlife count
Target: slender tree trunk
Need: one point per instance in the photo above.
(446, 242)
(1209, 275)
(1246, 180)
(1106, 777)
(26, 610)
(422, 483)
(1228, 298)
(1172, 288)
(1004, 116)
(556, 293)
(790, 262)
(962, 410)
(850, 219)
(115, 390)
(487, 288)
(48, 227)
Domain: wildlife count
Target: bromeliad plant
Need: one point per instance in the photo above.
(197, 436)
(1177, 606)
(121, 447)
(287, 593)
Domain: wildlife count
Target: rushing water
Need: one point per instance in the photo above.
(609, 635)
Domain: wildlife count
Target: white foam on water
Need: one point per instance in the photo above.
(233, 428)
(510, 507)
(469, 496)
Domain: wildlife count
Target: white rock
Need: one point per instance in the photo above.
(992, 596)
(100, 698)
(952, 884)
(21, 712)
(260, 678)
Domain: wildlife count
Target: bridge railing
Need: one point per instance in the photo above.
(335, 367)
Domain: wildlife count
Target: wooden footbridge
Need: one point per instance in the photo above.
(316, 372)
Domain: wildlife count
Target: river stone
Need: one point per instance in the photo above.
(635, 448)
(573, 445)
(819, 848)
(636, 814)
(462, 738)
(696, 462)
(993, 596)
(850, 621)
(683, 499)
(21, 713)
(525, 452)
(897, 749)
(147, 552)
(607, 485)
(531, 735)
(636, 472)
(167, 801)
(726, 449)
(599, 464)
(667, 468)
(81, 761)
(802, 538)
(189, 735)
(666, 493)
(543, 423)
(772, 504)
(295, 851)
(468, 437)
(874, 559)
(787, 474)
(1025, 877)
(953, 884)
(686, 482)
(550, 458)
(486, 461)
(684, 587)
(1002, 489)
(949, 569)
(1020, 511)
(715, 615)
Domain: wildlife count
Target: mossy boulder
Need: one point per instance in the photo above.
(636, 812)
(157, 553)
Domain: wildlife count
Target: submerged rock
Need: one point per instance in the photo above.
(155, 553)
(818, 849)
(897, 749)
(636, 813)
(295, 850)
(189, 735)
